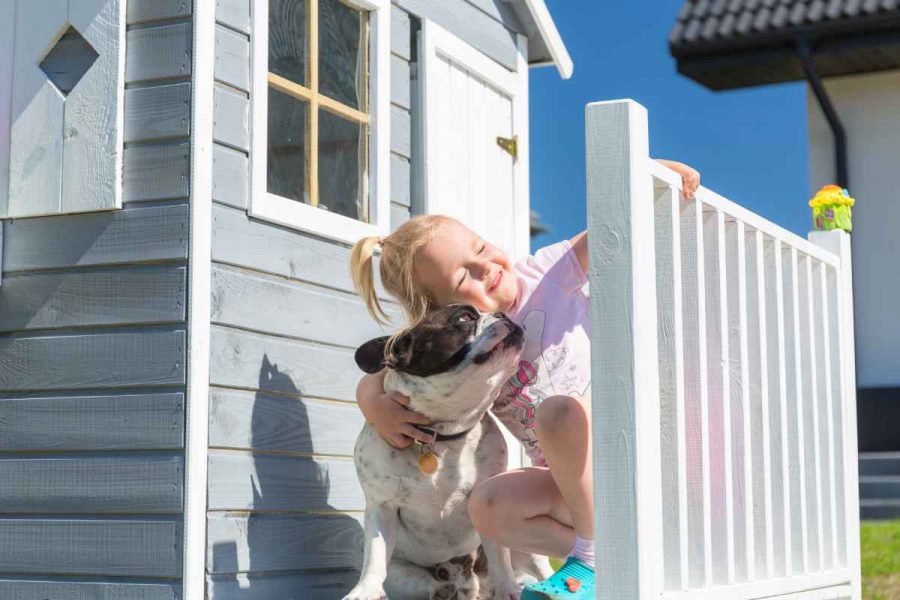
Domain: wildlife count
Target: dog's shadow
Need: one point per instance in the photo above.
(295, 545)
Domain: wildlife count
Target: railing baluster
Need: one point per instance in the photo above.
(719, 469)
(725, 370)
(795, 417)
(784, 449)
(840, 438)
(830, 557)
(765, 418)
(756, 418)
(696, 443)
(739, 361)
(671, 388)
(811, 356)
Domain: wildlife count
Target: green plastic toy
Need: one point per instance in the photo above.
(831, 209)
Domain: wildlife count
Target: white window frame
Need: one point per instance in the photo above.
(295, 214)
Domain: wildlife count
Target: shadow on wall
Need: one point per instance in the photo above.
(304, 555)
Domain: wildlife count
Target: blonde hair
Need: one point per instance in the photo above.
(398, 253)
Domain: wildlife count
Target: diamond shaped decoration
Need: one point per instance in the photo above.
(68, 61)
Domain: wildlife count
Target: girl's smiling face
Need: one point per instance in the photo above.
(456, 265)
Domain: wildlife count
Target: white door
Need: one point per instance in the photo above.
(468, 102)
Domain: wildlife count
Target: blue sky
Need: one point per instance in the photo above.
(749, 145)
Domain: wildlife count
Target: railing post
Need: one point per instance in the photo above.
(625, 381)
(838, 243)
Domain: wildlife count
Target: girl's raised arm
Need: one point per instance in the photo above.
(690, 181)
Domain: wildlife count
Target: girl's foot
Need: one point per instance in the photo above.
(574, 581)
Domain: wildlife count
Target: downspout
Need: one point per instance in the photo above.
(837, 129)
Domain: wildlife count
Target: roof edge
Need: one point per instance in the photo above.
(546, 28)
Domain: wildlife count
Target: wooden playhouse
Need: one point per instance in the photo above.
(179, 186)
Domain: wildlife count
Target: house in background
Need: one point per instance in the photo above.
(180, 184)
(849, 53)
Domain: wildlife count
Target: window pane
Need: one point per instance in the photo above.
(342, 165)
(342, 53)
(287, 140)
(288, 32)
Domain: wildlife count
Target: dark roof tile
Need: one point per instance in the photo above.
(798, 13)
(780, 17)
(870, 6)
(761, 21)
(718, 23)
(744, 23)
(719, 8)
(726, 26)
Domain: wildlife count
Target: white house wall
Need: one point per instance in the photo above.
(869, 106)
(92, 357)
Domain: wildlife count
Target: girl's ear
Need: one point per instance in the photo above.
(370, 356)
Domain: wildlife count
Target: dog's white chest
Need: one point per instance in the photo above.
(433, 509)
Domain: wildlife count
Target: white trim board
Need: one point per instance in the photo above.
(294, 214)
(549, 34)
(198, 319)
(7, 31)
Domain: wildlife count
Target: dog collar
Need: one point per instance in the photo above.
(439, 437)
(428, 458)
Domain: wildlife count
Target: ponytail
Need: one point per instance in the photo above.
(362, 267)
(397, 270)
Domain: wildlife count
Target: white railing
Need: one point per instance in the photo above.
(724, 404)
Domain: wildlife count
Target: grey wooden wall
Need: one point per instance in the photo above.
(92, 357)
(285, 508)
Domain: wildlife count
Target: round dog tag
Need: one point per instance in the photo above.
(428, 463)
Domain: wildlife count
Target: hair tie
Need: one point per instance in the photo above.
(381, 241)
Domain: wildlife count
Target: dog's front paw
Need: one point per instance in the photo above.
(364, 591)
(506, 589)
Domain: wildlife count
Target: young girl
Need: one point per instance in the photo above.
(546, 509)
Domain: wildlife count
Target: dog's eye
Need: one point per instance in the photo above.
(466, 317)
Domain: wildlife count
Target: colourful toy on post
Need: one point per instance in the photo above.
(831, 209)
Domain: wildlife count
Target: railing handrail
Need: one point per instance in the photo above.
(711, 198)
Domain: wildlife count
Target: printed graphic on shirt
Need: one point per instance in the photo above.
(524, 391)
(540, 374)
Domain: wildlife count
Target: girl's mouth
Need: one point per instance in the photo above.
(496, 282)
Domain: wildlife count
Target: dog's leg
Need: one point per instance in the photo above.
(500, 572)
(381, 524)
(406, 581)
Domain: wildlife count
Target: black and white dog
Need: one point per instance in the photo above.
(419, 541)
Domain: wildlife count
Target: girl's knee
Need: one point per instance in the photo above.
(485, 510)
(560, 415)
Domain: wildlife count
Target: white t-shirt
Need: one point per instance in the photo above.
(555, 312)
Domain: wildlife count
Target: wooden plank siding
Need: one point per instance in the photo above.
(283, 419)
(61, 589)
(92, 356)
(285, 324)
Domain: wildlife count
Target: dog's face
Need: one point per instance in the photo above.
(451, 363)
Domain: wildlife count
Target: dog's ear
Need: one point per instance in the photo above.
(400, 353)
(370, 356)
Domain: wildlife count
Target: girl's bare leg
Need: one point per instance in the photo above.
(563, 429)
(523, 510)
